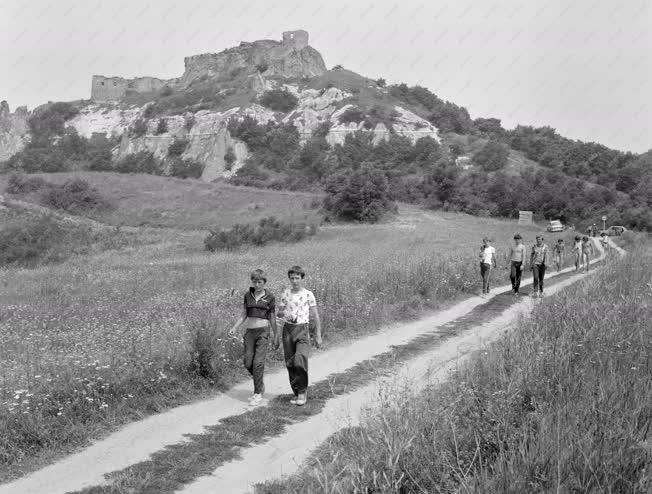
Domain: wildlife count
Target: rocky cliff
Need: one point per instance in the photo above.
(290, 57)
(14, 130)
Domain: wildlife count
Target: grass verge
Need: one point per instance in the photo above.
(561, 404)
(179, 464)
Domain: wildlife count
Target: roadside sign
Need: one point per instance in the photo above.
(604, 218)
(525, 217)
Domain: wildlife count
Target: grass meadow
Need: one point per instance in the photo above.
(104, 339)
(560, 404)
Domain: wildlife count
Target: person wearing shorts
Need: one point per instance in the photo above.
(258, 315)
(538, 261)
(559, 251)
(517, 262)
(487, 260)
(298, 307)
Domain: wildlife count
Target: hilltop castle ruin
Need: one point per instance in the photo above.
(290, 57)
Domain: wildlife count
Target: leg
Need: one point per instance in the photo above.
(518, 270)
(249, 341)
(488, 277)
(542, 273)
(535, 279)
(484, 273)
(302, 346)
(258, 367)
(288, 355)
(512, 276)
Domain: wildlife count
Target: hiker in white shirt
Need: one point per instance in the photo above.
(487, 260)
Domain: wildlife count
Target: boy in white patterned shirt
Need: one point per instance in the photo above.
(297, 306)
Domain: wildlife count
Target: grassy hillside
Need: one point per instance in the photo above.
(148, 200)
(123, 328)
(561, 404)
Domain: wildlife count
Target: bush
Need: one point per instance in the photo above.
(27, 242)
(492, 156)
(74, 195)
(229, 158)
(359, 196)
(139, 128)
(181, 168)
(19, 183)
(189, 122)
(267, 230)
(279, 100)
(352, 114)
(141, 162)
(161, 127)
(381, 82)
(262, 67)
(177, 147)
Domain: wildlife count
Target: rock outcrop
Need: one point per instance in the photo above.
(14, 130)
(290, 57)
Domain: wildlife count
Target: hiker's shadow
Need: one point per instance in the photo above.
(239, 394)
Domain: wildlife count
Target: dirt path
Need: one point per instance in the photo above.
(137, 441)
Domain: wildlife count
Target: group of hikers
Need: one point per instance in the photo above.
(297, 308)
(538, 260)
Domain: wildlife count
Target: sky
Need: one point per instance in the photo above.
(582, 67)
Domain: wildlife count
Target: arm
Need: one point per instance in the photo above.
(314, 316)
(241, 319)
(493, 259)
(532, 259)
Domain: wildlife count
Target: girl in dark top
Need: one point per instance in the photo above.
(258, 315)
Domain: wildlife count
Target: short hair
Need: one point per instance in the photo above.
(560, 240)
(297, 270)
(540, 236)
(585, 238)
(517, 236)
(258, 274)
(577, 237)
(486, 239)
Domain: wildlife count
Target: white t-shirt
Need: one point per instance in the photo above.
(487, 254)
(296, 305)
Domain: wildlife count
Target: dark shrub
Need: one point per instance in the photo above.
(49, 122)
(27, 242)
(279, 100)
(229, 158)
(177, 147)
(381, 82)
(186, 168)
(139, 128)
(352, 114)
(141, 162)
(19, 183)
(190, 122)
(492, 156)
(362, 195)
(74, 195)
(161, 127)
(262, 67)
(267, 230)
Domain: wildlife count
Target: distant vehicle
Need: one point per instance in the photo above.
(614, 231)
(555, 226)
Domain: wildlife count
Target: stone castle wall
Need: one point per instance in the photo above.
(290, 57)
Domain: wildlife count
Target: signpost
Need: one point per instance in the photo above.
(604, 224)
(525, 217)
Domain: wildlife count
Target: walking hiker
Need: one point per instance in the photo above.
(559, 251)
(297, 308)
(258, 315)
(577, 252)
(538, 260)
(517, 261)
(604, 241)
(587, 251)
(487, 259)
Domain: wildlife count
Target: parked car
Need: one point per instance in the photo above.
(555, 226)
(614, 230)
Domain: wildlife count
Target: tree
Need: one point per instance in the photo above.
(162, 126)
(359, 196)
(381, 82)
(492, 156)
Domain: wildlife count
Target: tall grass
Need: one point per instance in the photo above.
(100, 340)
(560, 404)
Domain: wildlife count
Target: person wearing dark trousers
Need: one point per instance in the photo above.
(487, 260)
(298, 308)
(517, 262)
(538, 261)
(258, 315)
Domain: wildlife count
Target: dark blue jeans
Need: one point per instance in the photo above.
(538, 272)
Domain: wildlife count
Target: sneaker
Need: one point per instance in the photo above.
(301, 399)
(534, 295)
(541, 294)
(516, 293)
(293, 400)
(256, 400)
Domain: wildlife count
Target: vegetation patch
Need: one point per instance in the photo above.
(279, 100)
(267, 230)
(558, 404)
(75, 196)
